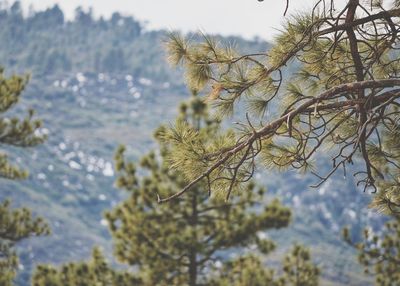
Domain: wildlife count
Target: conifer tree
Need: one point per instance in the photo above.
(15, 224)
(246, 270)
(343, 98)
(177, 243)
(14, 131)
(297, 270)
(94, 272)
(380, 253)
(180, 243)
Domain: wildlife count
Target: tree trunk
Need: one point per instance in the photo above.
(192, 269)
(193, 251)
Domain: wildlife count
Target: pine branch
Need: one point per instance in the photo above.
(270, 128)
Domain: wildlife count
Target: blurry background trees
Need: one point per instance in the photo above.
(15, 226)
(379, 253)
(186, 241)
(94, 272)
(297, 269)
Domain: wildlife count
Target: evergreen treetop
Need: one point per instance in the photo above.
(94, 272)
(297, 270)
(177, 243)
(188, 240)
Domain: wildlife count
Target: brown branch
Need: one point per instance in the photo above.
(270, 128)
(357, 22)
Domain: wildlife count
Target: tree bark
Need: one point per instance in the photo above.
(192, 252)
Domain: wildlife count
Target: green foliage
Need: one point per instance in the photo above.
(298, 270)
(18, 224)
(178, 243)
(343, 98)
(387, 156)
(15, 225)
(14, 131)
(8, 265)
(174, 243)
(46, 43)
(379, 253)
(94, 272)
(247, 270)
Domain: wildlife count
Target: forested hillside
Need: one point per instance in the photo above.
(91, 82)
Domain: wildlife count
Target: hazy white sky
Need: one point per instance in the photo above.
(229, 17)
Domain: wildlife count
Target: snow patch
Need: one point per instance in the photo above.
(74, 165)
(108, 170)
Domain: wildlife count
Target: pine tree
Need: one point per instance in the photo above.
(246, 270)
(182, 242)
(15, 224)
(297, 270)
(14, 131)
(343, 97)
(177, 243)
(380, 253)
(94, 272)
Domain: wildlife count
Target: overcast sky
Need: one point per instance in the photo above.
(247, 18)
